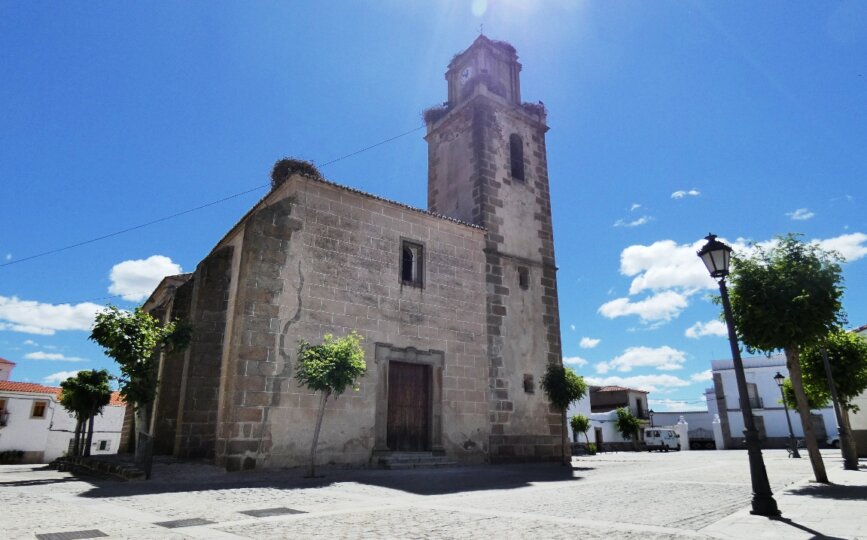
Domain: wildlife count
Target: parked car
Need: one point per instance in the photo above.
(662, 439)
(834, 440)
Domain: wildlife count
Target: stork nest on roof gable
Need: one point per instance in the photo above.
(286, 167)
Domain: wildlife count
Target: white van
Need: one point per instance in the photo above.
(663, 439)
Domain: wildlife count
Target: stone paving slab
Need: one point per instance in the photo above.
(619, 495)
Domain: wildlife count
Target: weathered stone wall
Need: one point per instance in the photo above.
(169, 391)
(328, 262)
(196, 433)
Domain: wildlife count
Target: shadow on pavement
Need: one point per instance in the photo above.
(416, 481)
(39, 482)
(816, 534)
(833, 491)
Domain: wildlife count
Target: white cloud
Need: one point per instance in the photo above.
(572, 327)
(680, 194)
(663, 306)
(33, 317)
(710, 328)
(851, 246)
(589, 343)
(801, 214)
(676, 405)
(31, 343)
(662, 358)
(60, 376)
(643, 220)
(134, 280)
(665, 265)
(634, 207)
(8, 257)
(705, 375)
(39, 355)
(602, 367)
(649, 383)
(575, 361)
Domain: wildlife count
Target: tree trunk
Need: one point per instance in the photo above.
(322, 400)
(849, 450)
(140, 418)
(564, 446)
(89, 442)
(76, 444)
(793, 363)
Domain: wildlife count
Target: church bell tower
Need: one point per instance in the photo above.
(487, 165)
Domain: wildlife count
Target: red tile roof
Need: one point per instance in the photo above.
(33, 388)
(4, 361)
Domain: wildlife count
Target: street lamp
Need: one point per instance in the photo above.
(650, 413)
(778, 378)
(716, 257)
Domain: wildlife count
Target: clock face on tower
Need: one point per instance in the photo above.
(466, 74)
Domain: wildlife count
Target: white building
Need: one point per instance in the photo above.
(765, 400)
(600, 406)
(33, 421)
(858, 421)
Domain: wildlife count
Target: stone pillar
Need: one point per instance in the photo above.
(718, 433)
(682, 429)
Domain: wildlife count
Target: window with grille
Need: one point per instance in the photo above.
(411, 263)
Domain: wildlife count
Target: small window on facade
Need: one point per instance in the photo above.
(38, 409)
(516, 153)
(523, 277)
(103, 445)
(411, 263)
(529, 387)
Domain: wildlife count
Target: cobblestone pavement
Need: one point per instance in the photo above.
(621, 495)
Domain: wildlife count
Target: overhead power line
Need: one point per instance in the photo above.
(195, 209)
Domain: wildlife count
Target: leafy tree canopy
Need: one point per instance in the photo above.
(563, 386)
(332, 366)
(580, 423)
(627, 424)
(132, 338)
(86, 393)
(818, 395)
(847, 356)
(786, 296)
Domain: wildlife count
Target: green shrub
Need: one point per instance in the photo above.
(591, 448)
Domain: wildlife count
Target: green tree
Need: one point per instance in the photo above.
(329, 368)
(563, 387)
(847, 359)
(85, 395)
(627, 424)
(581, 424)
(787, 297)
(133, 339)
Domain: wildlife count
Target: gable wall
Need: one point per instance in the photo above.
(320, 259)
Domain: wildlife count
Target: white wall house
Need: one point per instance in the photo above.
(765, 400)
(858, 421)
(600, 406)
(33, 421)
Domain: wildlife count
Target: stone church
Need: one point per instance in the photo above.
(457, 304)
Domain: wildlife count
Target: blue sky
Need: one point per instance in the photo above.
(668, 120)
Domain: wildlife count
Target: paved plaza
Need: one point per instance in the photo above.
(617, 495)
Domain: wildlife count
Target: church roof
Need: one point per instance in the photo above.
(483, 41)
(351, 190)
(4, 361)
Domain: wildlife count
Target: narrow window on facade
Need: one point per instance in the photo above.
(516, 153)
(103, 445)
(411, 264)
(38, 409)
(523, 277)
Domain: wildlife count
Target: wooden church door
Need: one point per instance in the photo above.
(408, 407)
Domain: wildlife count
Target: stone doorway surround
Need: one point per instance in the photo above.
(383, 355)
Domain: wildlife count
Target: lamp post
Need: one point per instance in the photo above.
(650, 413)
(716, 257)
(778, 378)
